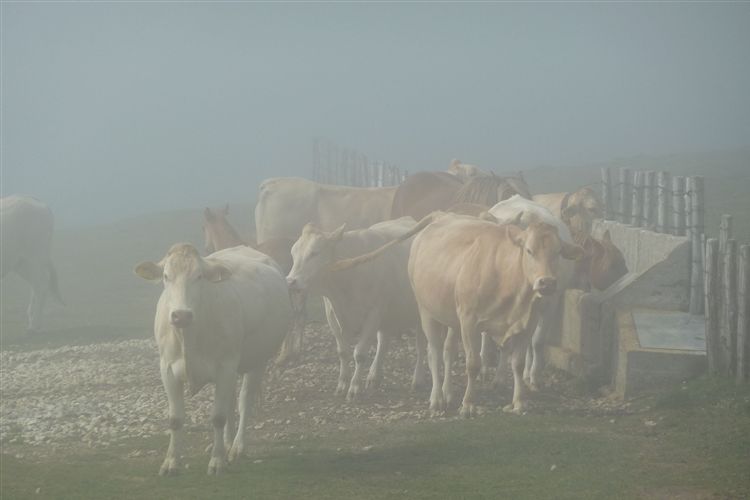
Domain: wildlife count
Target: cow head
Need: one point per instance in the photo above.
(583, 207)
(184, 274)
(312, 253)
(607, 264)
(541, 250)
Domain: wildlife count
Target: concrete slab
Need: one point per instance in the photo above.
(673, 330)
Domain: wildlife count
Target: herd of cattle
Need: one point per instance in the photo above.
(461, 254)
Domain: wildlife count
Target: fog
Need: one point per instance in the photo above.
(116, 109)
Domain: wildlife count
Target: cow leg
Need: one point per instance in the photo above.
(38, 278)
(418, 379)
(435, 333)
(502, 367)
(449, 354)
(291, 348)
(249, 393)
(226, 389)
(367, 336)
(488, 355)
(472, 340)
(229, 428)
(535, 358)
(376, 368)
(175, 398)
(518, 347)
(341, 348)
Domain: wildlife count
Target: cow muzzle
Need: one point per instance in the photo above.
(297, 293)
(545, 285)
(181, 318)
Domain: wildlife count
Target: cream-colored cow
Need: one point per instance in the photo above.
(471, 275)
(286, 204)
(217, 317)
(362, 302)
(27, 225)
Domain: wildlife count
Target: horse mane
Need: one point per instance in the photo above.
(483, 190)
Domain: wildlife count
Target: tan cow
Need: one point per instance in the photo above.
(369, 300)
(578, 209)
(217, 317)
(470, 276)
(27, 225)
(601, 263)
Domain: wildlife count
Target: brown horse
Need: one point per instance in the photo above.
(424, 192)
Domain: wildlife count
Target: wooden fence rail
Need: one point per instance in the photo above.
(335, 165)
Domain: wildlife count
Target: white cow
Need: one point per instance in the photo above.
(363, 300)
(218, 316)
(286, 204)
(27, 225)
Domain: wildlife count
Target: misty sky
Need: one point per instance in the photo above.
(115, 109)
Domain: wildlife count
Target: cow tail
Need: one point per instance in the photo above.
(53, 284)
(344, 264)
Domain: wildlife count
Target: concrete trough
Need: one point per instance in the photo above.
(635, 335)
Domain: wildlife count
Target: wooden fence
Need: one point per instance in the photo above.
(727, 304)
(335, 165)
(665, 204)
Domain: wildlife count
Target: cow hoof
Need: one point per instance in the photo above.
(515, 410)
(235, 453)
(372, 384)
(468, 410)
(170, 467)
(216, 466)
(353, 394)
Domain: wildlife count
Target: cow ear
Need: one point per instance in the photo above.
(518, 219)
(149, 270)
(338, 233)
(516, 235)
(216, 272)
(488, 217)
(571, 252)
(607, 237)
(569, 212)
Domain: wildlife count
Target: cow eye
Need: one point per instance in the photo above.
(528, 251)
(166, 278)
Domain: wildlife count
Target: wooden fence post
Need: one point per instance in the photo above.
(712, 307)
(649, 201)
(729, 312)
(743, 316)
(678, 205)
(664, 201)
(695, 187)
(725, 232)
(639, 183)
(607, 193)
(626, 195)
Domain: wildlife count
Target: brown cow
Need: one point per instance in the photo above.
(424, 192)
(578, 209)
(470, 276)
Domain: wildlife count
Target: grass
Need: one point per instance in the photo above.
(696, 450)
(698, 447)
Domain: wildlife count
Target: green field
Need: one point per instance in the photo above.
(692, 442)
(697, 447)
